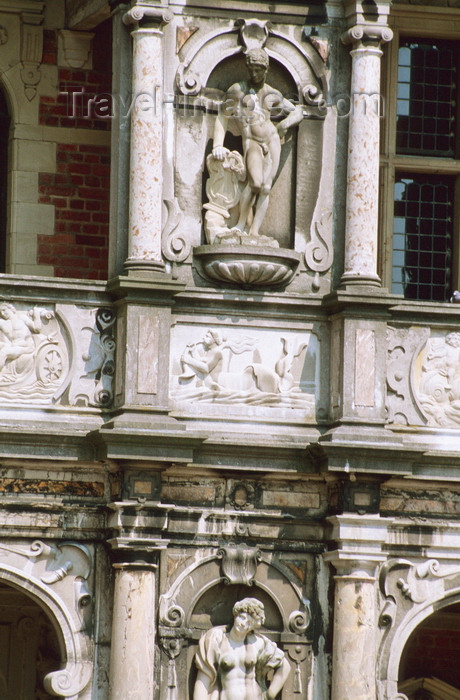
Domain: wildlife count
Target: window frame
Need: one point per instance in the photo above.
(422, 23)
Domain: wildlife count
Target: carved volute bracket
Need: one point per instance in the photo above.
(410, 592)
(58, 578)
(31, 51)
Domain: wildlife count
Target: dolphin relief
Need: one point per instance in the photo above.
(231, 371)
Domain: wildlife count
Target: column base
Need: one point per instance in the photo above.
(135, 267)
(351, 279)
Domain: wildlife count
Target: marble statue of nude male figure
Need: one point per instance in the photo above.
(253, 104)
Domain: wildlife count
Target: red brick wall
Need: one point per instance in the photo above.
(433, 652)
(79, 189)
(80, 194)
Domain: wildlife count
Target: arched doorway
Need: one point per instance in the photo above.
(429, 668)
(29, 647)
(4, 135)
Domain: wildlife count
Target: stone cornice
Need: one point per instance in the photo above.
(20, 6)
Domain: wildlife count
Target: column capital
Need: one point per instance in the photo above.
(141, 10)
(362, 33)
(136, 529)
(357, 544)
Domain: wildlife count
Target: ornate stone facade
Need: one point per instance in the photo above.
(234, 464)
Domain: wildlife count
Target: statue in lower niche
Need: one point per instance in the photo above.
(233, 664)
(246, 182)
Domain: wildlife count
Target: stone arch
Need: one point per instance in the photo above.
(71, 680)
(412, 592)
(305, 67)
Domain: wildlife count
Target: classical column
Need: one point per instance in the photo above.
(132, 655)
(133, 632)
(361, 226)
(359, 540)
(146, 161)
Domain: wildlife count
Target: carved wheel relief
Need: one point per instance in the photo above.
(62, 356)
(58, 577)
(409, 591)
(34, 358)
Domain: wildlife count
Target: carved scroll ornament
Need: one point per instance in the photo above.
(57, 577)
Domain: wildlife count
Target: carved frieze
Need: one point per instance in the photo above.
(34, 357)
(402, 344)
(423, 376)
(56, 356)
(238, 368)
(436, 379)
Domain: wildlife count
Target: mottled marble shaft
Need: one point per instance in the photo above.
(363, 168)
(145, 193)
(354, 648)
(133, 636)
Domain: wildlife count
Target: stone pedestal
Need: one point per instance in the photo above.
(146, 162)
(359, 540)
(363, 155)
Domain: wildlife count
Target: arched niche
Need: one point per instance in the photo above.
(411, 592)
(55, 578)
(210, 65)
(203, 596)
(30, 646)
(429, 653)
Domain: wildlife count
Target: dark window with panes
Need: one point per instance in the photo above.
(426, 116)
(4, 129)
